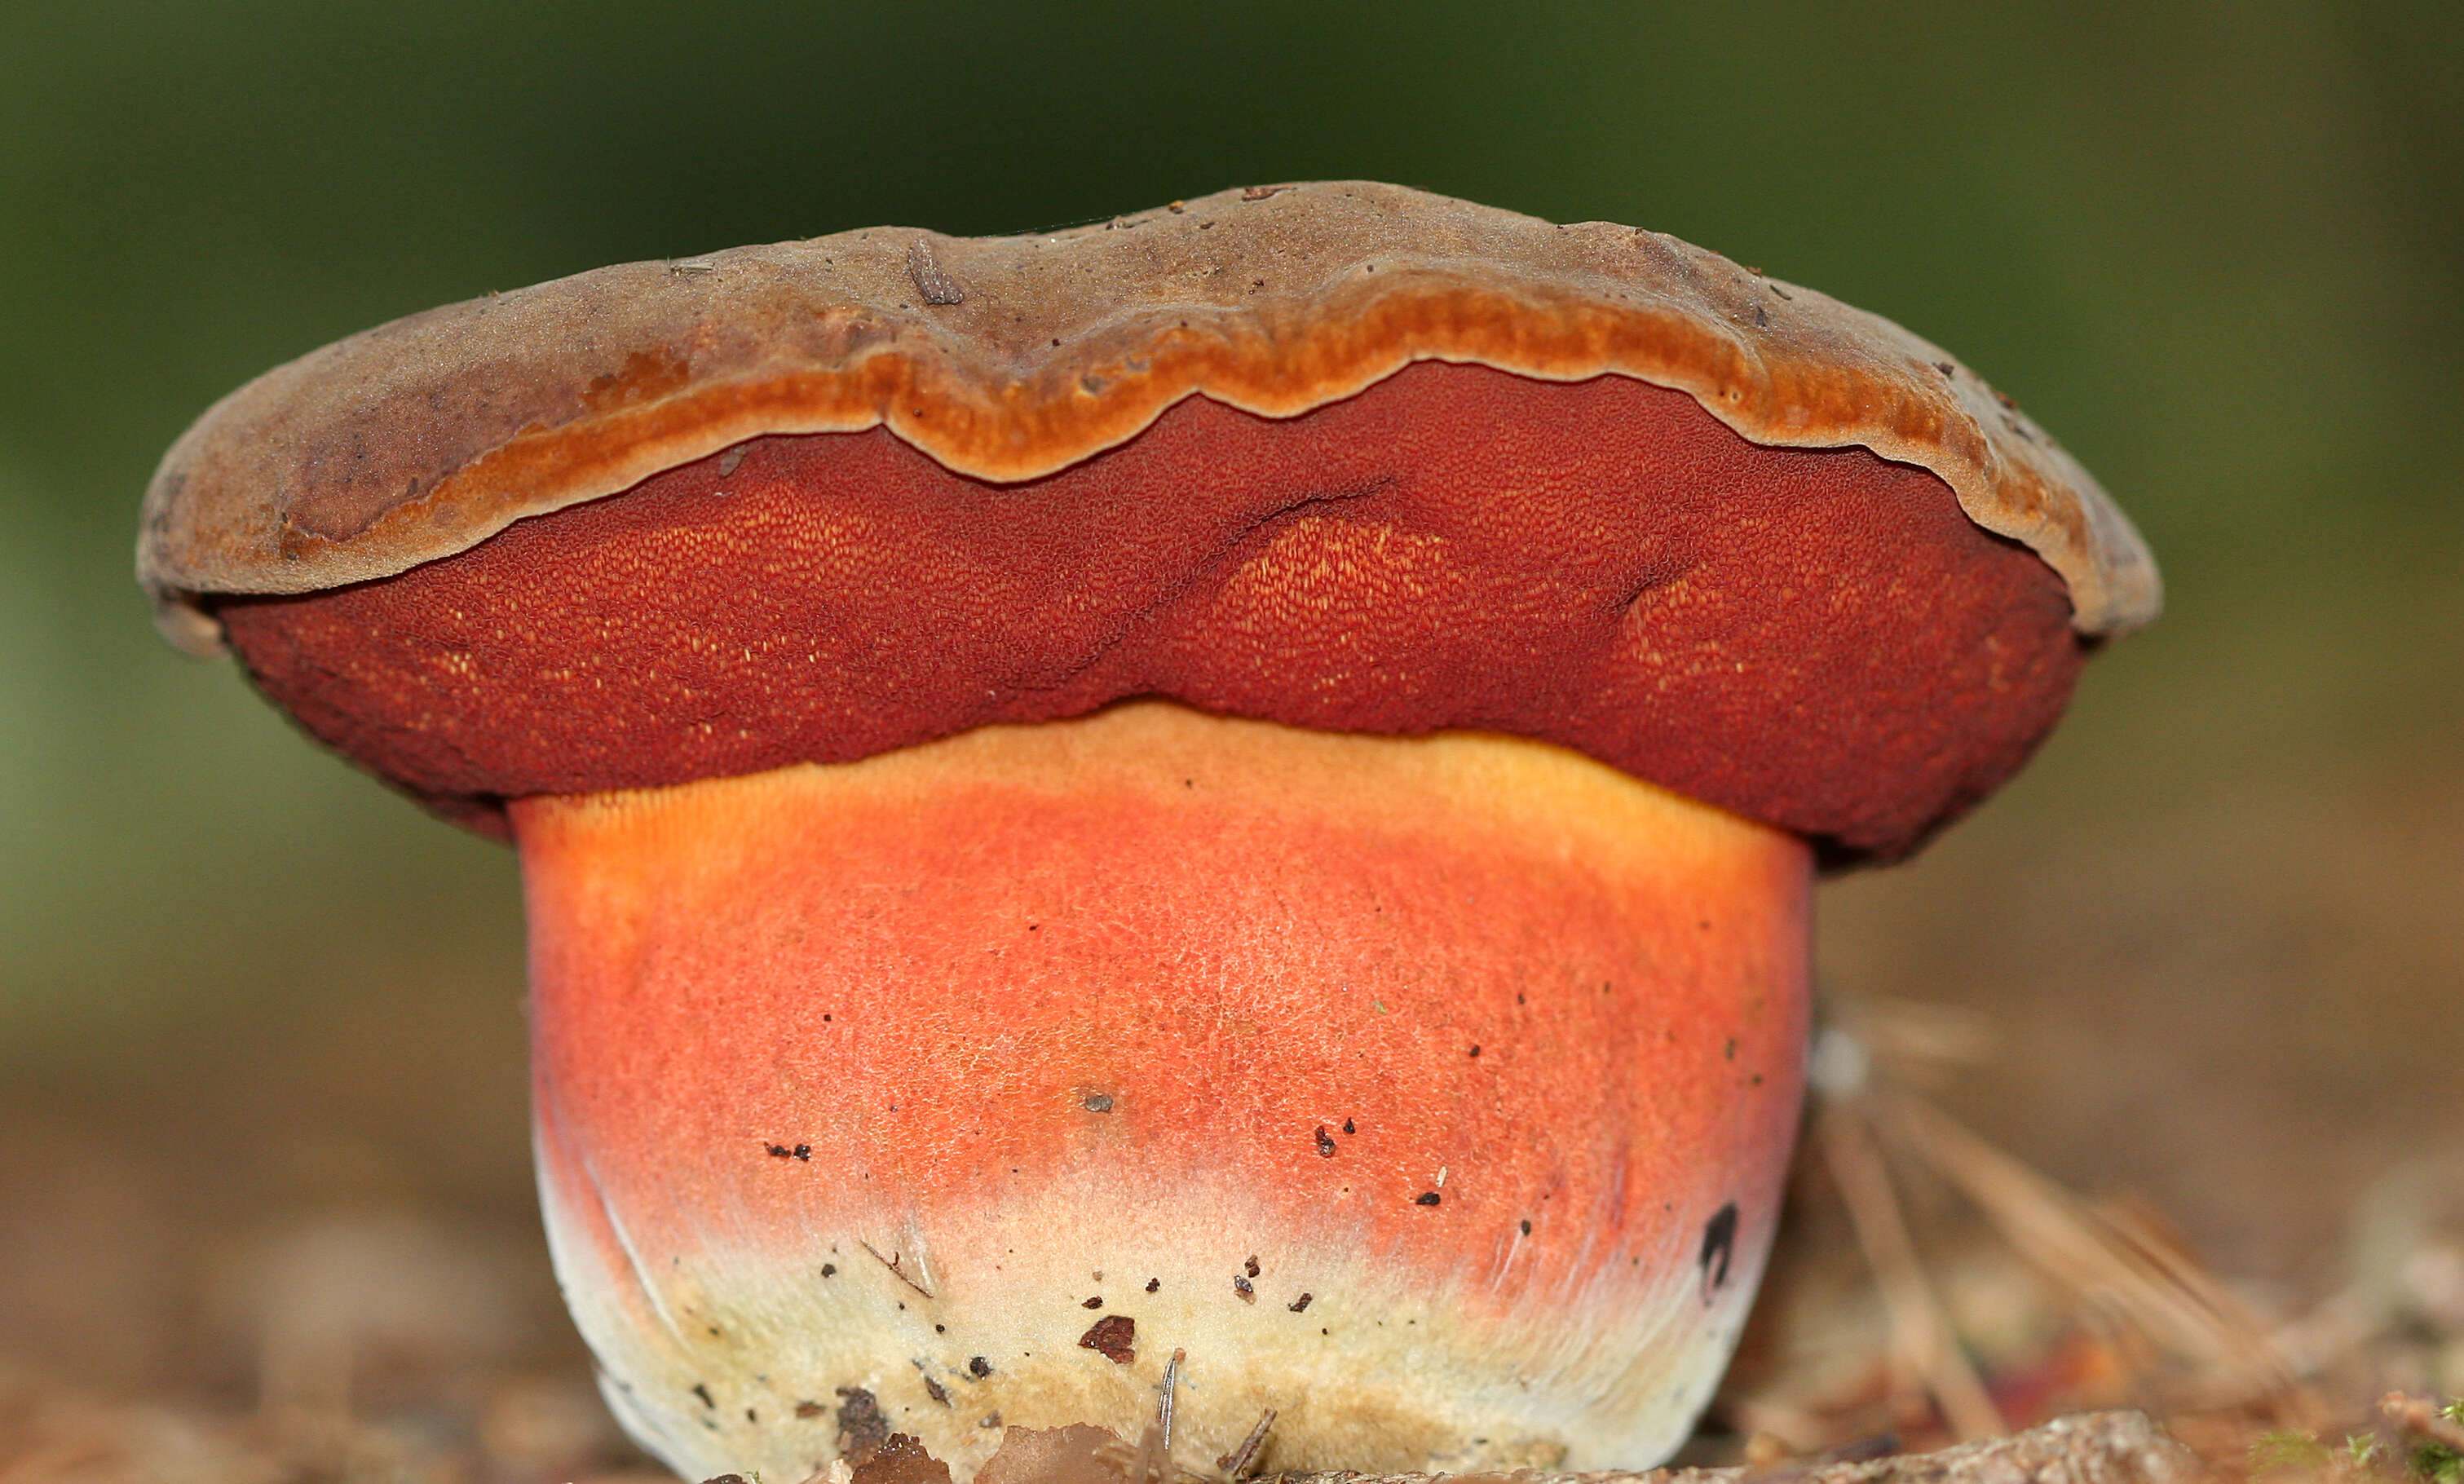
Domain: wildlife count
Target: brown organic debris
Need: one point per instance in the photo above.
(901, 1460)
(863, 1431)
(1113, 1337)
(931, 280)
(1075, 1454)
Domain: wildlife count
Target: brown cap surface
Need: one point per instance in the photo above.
(1718, 530)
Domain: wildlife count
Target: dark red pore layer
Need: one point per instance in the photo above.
(1817, 639)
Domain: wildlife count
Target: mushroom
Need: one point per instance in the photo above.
(1243, 783)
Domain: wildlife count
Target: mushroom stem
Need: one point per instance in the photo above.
(1434, 1094)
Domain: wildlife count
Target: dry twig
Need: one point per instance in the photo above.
(1920, 1331)
(2109, 1260)
(1237, 1462)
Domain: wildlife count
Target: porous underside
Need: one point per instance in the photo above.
(1820, 639)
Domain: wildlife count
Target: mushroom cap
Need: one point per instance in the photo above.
(1006, 366)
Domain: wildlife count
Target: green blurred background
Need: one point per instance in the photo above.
(2216, 247)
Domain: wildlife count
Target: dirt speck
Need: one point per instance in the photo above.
(901, 1459)
(1301, 1304)
(1244, 1289)
(862, 1429)
(1097, 1302)
(1113, 1337)
(931, 281)
(1719, 1243)
(1426, 1198)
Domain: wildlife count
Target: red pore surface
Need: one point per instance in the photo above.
(1819, 639)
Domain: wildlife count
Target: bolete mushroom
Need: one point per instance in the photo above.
(1241, 783)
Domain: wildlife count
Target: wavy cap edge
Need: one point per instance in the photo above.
(416, 440)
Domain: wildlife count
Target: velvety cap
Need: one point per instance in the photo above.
(1340, 455)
